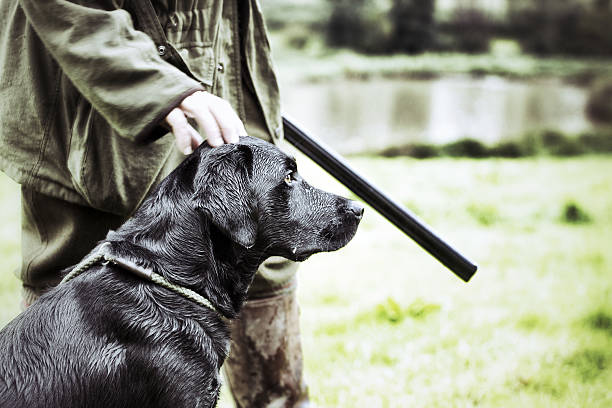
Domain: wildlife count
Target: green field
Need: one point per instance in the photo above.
(384, 325)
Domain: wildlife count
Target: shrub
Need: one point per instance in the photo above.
(418, 151)
(567, 147)
(598, 142)
(549, 142)
(552, 138)
(531, 143)
(395, 151)
(563, 27)
(298, 37)
(424, 151)
(356, 24)
(599, 105)
(573, 214)
(600, 320)
(557, 144)
(412, 25)
(510, 150)
(466, 148)
(469, 30)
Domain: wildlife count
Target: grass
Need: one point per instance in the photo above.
(385, 325)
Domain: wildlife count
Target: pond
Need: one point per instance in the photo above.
(354, 116)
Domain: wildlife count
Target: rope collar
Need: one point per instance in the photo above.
(102, 254)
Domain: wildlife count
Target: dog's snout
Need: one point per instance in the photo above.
(356, 209)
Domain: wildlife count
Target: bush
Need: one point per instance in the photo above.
(510, 150)
(298, 37)
(563, 27)
(418, 151)
(469, 30)
(600, 320)
(568, 147)
(599, 105)
(356, 24)
(549, 142)
(466, 148)
(558, 144)
(412, 25)
(424, 151)
(551, 139)
(599, 142)
(573, 214)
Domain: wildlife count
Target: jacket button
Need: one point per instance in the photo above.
(220, 67)
(161, 50)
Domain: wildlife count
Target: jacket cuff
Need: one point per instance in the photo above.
(157, 127)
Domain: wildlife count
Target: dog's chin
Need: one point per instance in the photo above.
(300, 257)
(341, 239)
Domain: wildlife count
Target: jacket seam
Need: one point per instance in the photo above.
(80, 98)
(262, 34)
(82, 174)
(236, 60)
(44, 236)
(46, 127)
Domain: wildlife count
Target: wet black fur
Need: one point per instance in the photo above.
(109, 339)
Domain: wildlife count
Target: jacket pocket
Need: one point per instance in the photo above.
(193, 34)
(200, 61)
(110, 172)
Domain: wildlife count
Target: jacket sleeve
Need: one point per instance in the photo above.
(114, 66)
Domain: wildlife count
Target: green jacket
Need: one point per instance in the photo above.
(83, 92)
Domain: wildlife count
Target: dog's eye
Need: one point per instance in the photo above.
(290, 178)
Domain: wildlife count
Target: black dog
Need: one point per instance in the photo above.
(110, 339)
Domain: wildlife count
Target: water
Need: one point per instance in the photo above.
(354, 116)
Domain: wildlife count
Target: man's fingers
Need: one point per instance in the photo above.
(227, 120)
(242, 130)
(196, 139)
(207, 122)
(215, 116)
(182, 130)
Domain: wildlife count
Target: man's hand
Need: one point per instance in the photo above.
(213, 115)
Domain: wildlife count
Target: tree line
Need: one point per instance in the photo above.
(542, 27)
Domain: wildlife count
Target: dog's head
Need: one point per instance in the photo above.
(252, 192)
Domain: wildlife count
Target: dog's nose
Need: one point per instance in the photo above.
(356, 208)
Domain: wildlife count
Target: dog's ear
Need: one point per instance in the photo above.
(222, 190)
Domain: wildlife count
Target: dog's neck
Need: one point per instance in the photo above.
(187, 249)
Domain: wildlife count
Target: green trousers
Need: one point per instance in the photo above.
(57, 234)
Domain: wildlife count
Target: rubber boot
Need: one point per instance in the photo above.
(264, 368)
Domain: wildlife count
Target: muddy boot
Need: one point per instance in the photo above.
(264, 368)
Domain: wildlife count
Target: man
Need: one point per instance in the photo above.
(89, 89)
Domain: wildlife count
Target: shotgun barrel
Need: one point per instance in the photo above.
(397, 214)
